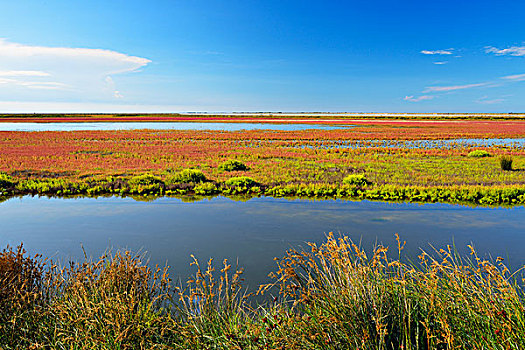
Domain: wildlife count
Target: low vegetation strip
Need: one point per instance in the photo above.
(150, 187)
(329, 296)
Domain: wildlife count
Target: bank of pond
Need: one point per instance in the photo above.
(191, 182)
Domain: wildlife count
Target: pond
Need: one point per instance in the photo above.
(252, 232)
(163, 126)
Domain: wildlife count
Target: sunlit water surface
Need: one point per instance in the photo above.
(252, 232)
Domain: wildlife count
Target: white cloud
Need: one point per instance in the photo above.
(441, 63)
(65, 73)
(452, 88)
(512, 51)
(438, 52)
(417, 99)
(516, 77)
(23, 73)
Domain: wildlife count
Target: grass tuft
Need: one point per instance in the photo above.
(479, 153)
(233, 165)
(144, 180)
(505, 162)
(240, 181)
(186, 176)
(356, 179)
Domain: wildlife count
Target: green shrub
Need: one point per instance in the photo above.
(207, 188)
(505, 162)
(233, 165)
(479, 153)
(146, 179)
(6, 180)
(356, 179)
(240, 181)
(187, 176)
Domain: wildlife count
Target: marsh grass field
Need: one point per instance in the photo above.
(331, 295)
(391, 154)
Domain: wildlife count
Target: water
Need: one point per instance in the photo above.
(252, 232)
(163, 126)
(427, 144)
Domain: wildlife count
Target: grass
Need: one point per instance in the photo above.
(233, 165)
(187, 176)
(328, 296)
(479, 153)
(505, 163)
(356, 179)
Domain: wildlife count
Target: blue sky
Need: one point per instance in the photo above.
(203, 55)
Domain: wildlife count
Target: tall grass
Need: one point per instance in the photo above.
(505, 162)
(329, 296)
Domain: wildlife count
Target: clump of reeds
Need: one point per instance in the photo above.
(329, 296)
(22, 281)
(117, 301)
(505, 162)
(346, 299)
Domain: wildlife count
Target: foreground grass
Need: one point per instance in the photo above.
(330, 296)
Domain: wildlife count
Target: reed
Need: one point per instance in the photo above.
(332, 295)
(505, 162)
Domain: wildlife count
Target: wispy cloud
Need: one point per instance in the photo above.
(43, 85)
(23, 73)
(511, 51)
(437, 52)
(453, 87)
(516, 77)
(486, 101)
(441, 62)
(76, 72)
(411, 98)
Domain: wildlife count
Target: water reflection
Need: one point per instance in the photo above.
(251, 232)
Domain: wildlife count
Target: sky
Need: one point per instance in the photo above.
(271, 56)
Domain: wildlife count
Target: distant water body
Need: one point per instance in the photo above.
(163, 126)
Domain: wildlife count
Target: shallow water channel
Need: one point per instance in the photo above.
(93, 126)
(252, 232)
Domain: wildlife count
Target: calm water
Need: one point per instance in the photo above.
(452, 143)
(162, 126)
(251, 232)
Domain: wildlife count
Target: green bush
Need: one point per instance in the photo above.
(505, 162)
(6, 180)
(356, 179)
(207, 188)
(241, 181)
(146, 179)
(479, 153)
(187, 176)
(233, 165)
